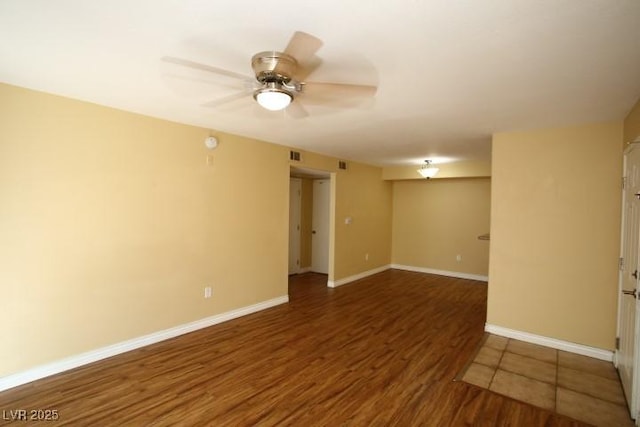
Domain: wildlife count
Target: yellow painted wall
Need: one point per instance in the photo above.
(112, 224)
(555, 228)
(361, 194)
(459, 169)
(436, 220)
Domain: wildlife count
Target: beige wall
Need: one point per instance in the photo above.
(112, 224)
(360, 193)
(436, 220)
(555, 227)
(458, 169)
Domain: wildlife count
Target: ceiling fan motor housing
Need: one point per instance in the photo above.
(272, 66)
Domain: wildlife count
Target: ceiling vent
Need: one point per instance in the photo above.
(342, 165)
(295, 156)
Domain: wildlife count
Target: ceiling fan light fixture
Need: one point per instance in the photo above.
(273, 97)
(427, 171)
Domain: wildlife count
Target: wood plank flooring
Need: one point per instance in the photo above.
(382, 351)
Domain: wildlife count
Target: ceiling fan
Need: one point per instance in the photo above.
(279, 81)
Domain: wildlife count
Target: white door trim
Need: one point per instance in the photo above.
(634, 399)
(295, 194)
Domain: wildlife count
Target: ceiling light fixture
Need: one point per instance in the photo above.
(273, 96)
(427, 171)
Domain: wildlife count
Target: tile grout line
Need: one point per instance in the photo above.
(461, 375)
(498, 365)
(556, 381)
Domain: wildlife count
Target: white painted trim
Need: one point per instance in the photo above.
(441, 272)
(72, 362)
(304, 270)
(584, 350)
(345, 280)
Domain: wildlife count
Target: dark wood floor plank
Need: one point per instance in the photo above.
(382, 351)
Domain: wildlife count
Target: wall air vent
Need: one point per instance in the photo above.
(342, 165)
(295, 156)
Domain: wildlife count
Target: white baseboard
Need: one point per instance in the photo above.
(345, 280)
(304, 270)
(72, 362)
(441, 272)
(570, 347)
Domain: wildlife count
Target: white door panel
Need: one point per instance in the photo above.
(627, 354)
(320, 226)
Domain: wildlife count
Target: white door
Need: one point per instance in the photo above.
(320, 226)
(295, 185)
(627, 353)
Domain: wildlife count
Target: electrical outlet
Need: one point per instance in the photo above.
(458, 257)
(366, 257)
(208, 292)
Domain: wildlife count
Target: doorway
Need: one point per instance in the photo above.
(311, 225)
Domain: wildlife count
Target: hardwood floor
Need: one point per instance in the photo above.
(382, 351)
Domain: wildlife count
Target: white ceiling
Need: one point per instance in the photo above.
(449, 73)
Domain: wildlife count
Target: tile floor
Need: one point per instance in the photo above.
(580, 387)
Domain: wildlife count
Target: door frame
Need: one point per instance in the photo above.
(311, 173)
(633, 400)
(294, 216)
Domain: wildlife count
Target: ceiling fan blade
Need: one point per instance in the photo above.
(306, 68)
(230, 98)
(303, 46)
(296, 110)
(327, 91)
(200, 82)
(204, 67)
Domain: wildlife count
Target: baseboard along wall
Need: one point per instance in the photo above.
(441, 272)
(570, 347)
(72, 362)
(349, 279)
(76, 361)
